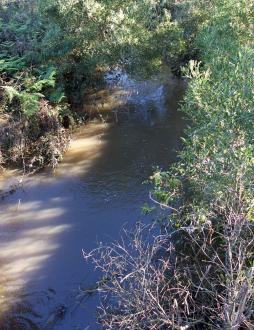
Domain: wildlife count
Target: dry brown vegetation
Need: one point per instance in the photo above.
(35, 142)
(191, 278)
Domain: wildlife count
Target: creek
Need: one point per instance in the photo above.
(96, 190)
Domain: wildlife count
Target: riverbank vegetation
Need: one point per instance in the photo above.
(198, 274)
(51, 51)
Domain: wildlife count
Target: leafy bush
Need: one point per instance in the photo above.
(216, 165)
(88, 36)
(212, 184)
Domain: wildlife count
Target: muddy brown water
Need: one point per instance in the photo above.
(94, 192)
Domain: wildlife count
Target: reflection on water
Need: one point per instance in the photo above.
(96, 189)
(86, 148)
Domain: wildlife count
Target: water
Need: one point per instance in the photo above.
(94, 192)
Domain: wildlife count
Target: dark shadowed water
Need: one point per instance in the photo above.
(94, 192)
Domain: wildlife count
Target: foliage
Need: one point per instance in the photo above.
(24, 79)
(212, 184)
(216, 165)
(83, 38)
(89, 35)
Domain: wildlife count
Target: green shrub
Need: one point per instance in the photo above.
(216, 165)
